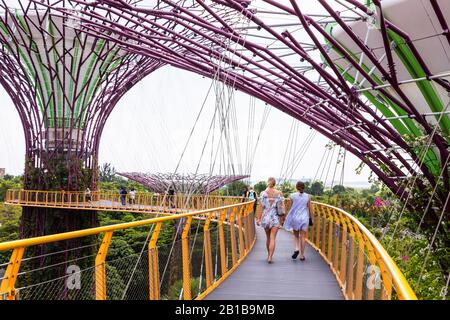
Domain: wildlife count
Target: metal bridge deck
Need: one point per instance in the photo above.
(284, 279)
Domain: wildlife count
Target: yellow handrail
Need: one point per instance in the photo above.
(236, 216)
(144, 202)
(336, 234)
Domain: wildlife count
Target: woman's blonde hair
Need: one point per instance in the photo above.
(271, 182)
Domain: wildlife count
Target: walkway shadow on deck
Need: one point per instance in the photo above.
(284, 279)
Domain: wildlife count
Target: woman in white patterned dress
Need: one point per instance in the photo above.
(272, 216)
(297, 219)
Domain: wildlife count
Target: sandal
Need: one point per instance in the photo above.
(302, 258)
(295, 255)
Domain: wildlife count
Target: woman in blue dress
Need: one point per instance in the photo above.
(271, 219)
(298, 219)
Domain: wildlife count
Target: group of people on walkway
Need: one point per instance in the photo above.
(274, 217)
(131, 196)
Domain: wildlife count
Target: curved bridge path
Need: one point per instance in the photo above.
(285, 278)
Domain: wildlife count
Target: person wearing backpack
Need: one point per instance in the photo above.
(251, 195)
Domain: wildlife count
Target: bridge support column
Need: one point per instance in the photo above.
(153, 264)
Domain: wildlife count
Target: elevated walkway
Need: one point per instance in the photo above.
(144, 202)
(218, 253)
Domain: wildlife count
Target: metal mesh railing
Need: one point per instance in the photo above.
(362, 267)
(204, 246)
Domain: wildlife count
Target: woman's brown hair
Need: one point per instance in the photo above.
(300, 186)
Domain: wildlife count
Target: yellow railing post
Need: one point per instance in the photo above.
(386, 291)
(100, 267)
(311, 231)
(317, 237)
(233, 236)
(343, 268)
(351, 258)
(359, 267)
(7, 286)
(208, 256)
(223, 255)
(349, 282)
(251, 223)
(373, 262)
(336, 241)
(324, 229)
(187, 295)
(330, 236)
(242, 249)
(153, 264)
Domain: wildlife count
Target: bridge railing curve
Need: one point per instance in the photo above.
(145, 202)
(208, 246)
(363, 268)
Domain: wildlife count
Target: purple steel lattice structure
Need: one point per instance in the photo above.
(350, 80)
(358, 72)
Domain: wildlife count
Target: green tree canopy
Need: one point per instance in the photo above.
(338, 189)
(286, 188)
(260, 186)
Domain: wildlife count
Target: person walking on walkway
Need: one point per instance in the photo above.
(87, 194)
(253, 196)
(297, 219)
(271, 219)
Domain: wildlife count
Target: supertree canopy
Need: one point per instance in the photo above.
(64, 85)
(362, 73)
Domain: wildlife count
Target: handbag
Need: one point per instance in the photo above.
(278, 213)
